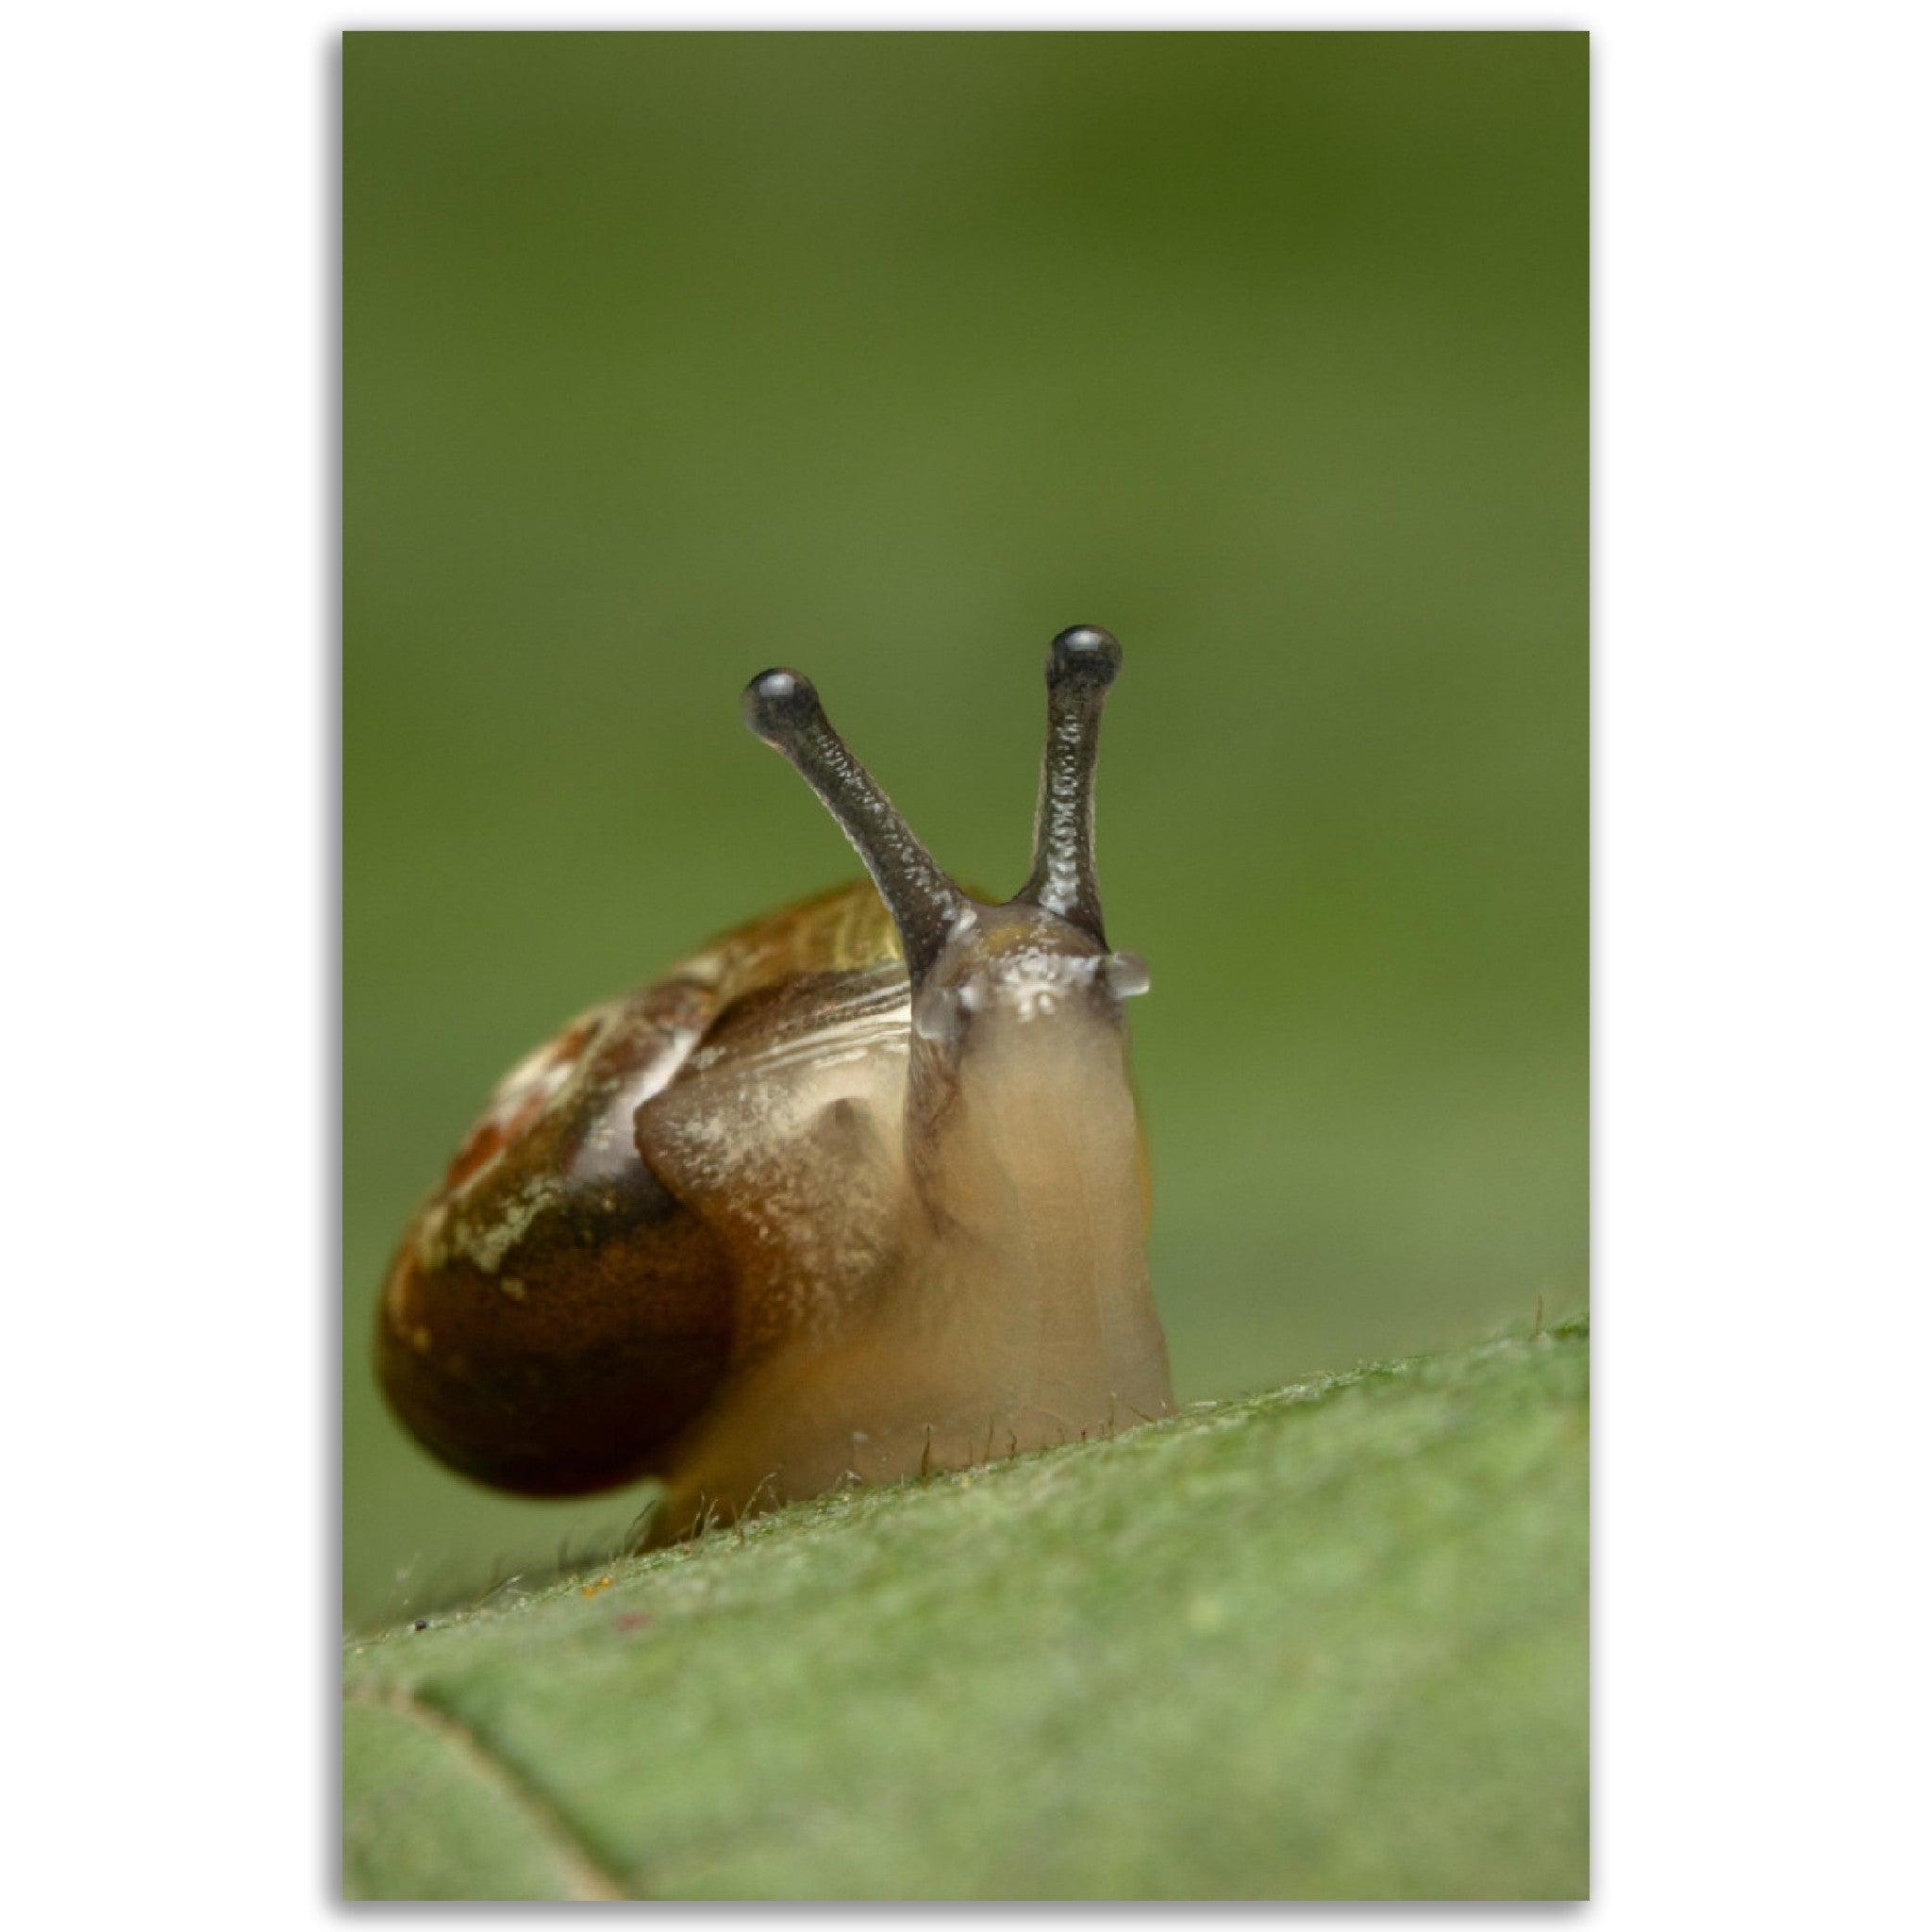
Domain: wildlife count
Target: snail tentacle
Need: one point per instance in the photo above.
(1081, 664)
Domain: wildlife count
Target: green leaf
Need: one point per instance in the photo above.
(1324, 1643)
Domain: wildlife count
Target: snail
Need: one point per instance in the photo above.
(857, 1192)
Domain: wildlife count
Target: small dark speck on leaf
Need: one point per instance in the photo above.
(421, 1623)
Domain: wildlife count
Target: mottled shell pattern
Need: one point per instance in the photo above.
(552, 1315)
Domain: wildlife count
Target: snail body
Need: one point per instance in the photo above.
(858, 1190)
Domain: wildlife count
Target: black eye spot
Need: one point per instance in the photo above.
(778, 703)
(1085, 655)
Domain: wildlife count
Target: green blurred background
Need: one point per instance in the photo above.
(672, 356)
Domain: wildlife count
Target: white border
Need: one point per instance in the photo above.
(1760, 728)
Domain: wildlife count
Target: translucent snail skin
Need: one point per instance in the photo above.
(858, 1190)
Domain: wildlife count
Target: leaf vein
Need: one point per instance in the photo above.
(588, 1877)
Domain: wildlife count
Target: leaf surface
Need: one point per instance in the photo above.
(1329, 1642)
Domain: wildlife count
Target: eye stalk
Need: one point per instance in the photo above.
(782, 707)
(1081, 663)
